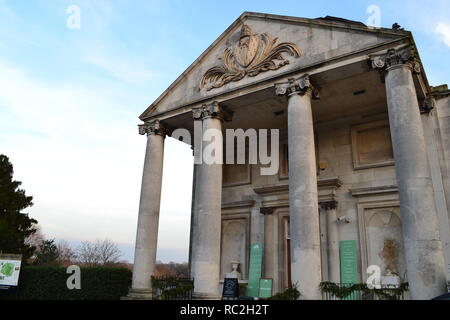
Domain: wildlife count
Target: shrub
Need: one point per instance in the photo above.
(291, 293)
(243, 289)
(344, 291)
(49, 283)
(172, 288)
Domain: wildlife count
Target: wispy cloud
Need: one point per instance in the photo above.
(77, 151)
(5, 9)
(443, 29)
(69, 102)
(70, 153)
(122, 68)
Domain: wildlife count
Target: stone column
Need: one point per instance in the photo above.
(303, 198)
(197, 153)
(334, 268)
(192, 230)
(423, 248)
(147, 230)
(205, 265)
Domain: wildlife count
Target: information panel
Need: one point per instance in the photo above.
(349, 267)
(255, 269)
(9, 269)
(230, 288)
(265, 288)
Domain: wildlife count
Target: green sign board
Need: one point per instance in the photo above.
(265, 288)
(349, 267)
(255, 269)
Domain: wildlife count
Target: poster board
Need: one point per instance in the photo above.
(265, 288)
(255, 269)
(230, 288)
(349, 264)
(10, 265)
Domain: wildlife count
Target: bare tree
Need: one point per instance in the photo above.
(171, 269)
(66, 255)
(108, 252)
(86, 254)
(36, 238)
(98, 253)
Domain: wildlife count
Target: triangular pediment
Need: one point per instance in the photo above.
(258, 47)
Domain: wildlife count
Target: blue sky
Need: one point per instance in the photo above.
(69, 99)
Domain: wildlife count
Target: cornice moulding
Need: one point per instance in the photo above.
(356, 192)
(238, 204)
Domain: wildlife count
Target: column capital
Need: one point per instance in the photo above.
(301, 86)
(396, 57)
(211, 110)
(153, 127)
(265, 211)
(427, 105)
(329, 205)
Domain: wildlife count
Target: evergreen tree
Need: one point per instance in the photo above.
(15, 226)
(48, 253)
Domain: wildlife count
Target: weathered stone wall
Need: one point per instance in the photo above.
(442, 132)
(440, 123)
(338, 151)
(336, 156)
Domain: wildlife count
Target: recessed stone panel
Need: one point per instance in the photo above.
(385, 242)
(236, 174)
(372, 145)
(234, 245)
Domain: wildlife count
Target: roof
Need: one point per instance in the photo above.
(327, 21)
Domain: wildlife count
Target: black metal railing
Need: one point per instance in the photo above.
(346, 291)
(172, 288)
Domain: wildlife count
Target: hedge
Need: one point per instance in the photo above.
(49, 283)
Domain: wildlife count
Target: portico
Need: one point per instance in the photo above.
(354, 164)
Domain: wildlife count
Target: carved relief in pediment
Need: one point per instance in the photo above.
(251, 55)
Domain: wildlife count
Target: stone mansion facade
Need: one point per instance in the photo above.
(364, 165)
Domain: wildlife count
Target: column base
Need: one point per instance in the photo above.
(139, 294)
